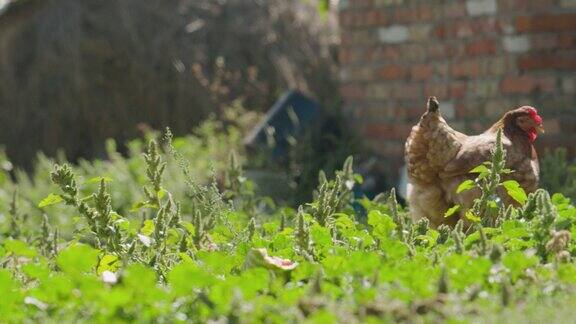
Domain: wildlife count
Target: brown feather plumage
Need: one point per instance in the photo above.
(440, 158)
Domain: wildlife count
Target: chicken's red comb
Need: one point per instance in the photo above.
(534, 114)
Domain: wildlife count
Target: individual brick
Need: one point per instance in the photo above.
(352, 91)
(481, 47)
(546, 23)
(387, 3)
(516, 43)
(394, 34)
(481, 7)
(527, 84)
(421, 71)
(392, 72)
(541, 61)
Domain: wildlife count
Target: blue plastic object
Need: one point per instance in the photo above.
(285, 120)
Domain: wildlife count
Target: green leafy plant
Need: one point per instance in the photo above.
(146, 238)
(489, 179)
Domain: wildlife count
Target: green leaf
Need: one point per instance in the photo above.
(465, 271)
(567, 273)
(344, 224)
(471, 217)
(430, 238)
(515, 191)
(466, 185)
(383, 224)
(321, 236)
(173, 236)
(99, 179)
(148, 227)
(142, 204)
(51, 199)
(39, 270)
(480, 169)
(492, 204)
(358, 179)
(161, 193)
(140, 278)
(19, 248)
(185, 257)
(323, 316)
(452, 211)
(77, 258)
(335, 265)
(190, 228)
(560, 200)
(517, 262)
(11, 296)
(123, 224)
(186, 277)
(252, 281)
(109, 262)
(474, 237)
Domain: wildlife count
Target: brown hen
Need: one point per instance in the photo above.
(440, 158)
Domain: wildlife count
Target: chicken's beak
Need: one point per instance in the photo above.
(540, 129)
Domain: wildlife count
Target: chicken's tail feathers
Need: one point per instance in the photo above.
(433, 104)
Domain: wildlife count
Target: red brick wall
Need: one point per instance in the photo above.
(479, 57)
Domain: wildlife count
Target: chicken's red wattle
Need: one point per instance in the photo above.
(532, 135)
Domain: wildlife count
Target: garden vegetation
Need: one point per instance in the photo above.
(175, 231)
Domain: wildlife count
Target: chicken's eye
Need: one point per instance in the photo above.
(521, 120)
(525, 123)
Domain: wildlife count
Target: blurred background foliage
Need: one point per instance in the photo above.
(558, 172)
(76, 72)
